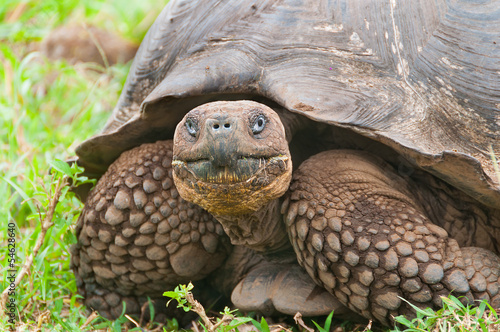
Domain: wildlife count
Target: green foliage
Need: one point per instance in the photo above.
(328, 323)
(73, 172)
(184, 297)
(453, 317)
(180, 294)
(172, 325)
(263, 326)
(38, 17)
(234, 322)
(46, 109)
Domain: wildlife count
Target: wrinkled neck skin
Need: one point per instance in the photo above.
(263, 230)
(291, 122)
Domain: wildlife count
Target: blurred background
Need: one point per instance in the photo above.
(62, 66)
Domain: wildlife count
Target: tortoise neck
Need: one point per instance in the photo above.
(291, 122)
(263, 230)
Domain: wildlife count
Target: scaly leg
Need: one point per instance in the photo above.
(360, 233)
(137, 237)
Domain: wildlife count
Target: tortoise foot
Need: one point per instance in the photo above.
(482, 268)
(138, 238)
(360, 232)
(111, 305)
(284, 288)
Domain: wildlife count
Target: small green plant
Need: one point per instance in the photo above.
(182, 294)
(328, 323)
(453, 317)
(262, 326)
(73, 172)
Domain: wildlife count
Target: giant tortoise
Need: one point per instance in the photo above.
(301, 156)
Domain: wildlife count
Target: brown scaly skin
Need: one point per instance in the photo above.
(355, 225)
(135, 234)
(362, 232)
(359, 232)
(232, 158)
(138, 238)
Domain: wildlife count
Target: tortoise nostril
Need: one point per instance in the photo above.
(220, 122)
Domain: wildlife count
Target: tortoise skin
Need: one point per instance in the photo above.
(135, 234)
(415, 83)
(359, 231)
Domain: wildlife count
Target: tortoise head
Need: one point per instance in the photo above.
(231, 157)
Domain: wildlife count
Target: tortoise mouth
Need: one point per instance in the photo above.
(256, 170)
(243, 188)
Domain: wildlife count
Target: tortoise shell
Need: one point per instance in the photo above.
(422, 77)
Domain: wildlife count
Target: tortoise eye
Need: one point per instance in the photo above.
(191, 126)
(258, 124)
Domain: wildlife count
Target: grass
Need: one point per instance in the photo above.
(453, 317)
(46, 109)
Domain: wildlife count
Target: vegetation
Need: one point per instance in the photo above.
(46, 109)
(453, 317)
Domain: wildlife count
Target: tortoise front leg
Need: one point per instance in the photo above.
(137, 237)
(358, 231)
(280, 285)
